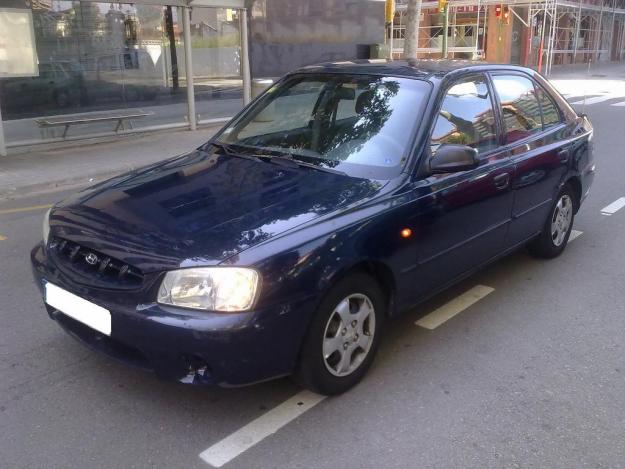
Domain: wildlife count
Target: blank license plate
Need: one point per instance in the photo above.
(78, 308)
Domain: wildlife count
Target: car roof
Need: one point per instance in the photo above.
(424, 69)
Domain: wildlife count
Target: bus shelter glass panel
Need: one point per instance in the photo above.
(98, 62)
(216, 54)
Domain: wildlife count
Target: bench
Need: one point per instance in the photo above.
(75, 119)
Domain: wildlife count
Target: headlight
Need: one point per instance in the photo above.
(210, 288)
(46, 227)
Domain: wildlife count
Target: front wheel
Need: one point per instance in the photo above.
(555, 235)
(343, 336)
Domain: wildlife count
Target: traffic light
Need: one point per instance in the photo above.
(389, 11)
(441, 5)
(505, 15)
(502, 12)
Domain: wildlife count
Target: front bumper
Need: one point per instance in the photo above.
(196, 347)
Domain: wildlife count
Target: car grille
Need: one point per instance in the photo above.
(98, 267)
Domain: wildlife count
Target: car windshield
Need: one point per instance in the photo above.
(359, 124)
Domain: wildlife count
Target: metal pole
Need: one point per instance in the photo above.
(621, 39)
(599, 35)
(530, 32)
(484, 45)
(542, 40)
(445, 28)
(390, 41)
(552, 37)
(3, 147)
(477, 31)
(453, 32)
(188, 66)
(245, 60)
(612, 29)
(578, 20)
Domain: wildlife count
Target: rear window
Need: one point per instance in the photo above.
(551, 114)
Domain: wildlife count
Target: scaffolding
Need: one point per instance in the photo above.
(466, 26)
(558, 32)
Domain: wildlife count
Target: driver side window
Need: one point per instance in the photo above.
(466, 117)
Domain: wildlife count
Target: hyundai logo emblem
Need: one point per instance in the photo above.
(91, 259)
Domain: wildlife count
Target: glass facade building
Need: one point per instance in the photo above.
(101, 61)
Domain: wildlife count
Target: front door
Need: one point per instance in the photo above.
(462, 218)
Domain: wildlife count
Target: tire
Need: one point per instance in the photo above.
(322, 367)
(557, 229)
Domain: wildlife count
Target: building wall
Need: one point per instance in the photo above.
(498, 38)
(287, 34)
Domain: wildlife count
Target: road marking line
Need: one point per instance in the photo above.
(24, 209)
(598, 99)
(257, 430)
(575, 234)
(455, 306)
(614, 206)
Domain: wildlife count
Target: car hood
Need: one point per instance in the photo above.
(200, 208)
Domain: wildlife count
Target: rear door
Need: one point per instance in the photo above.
(534, 135)
(463, 217)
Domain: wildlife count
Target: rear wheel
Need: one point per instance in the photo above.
(558, 226)
(343, 337)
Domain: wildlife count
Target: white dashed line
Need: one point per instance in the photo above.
(599, 99)
(257, 430)
(575, 234)
(614, 206)
(455, 306)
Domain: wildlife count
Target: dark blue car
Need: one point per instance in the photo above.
(343, 196)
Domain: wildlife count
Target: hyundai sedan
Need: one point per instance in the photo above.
(343, 196)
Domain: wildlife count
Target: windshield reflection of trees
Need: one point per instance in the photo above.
(330, 139)
(373, 111)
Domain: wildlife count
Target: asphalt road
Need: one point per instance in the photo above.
(532, 375)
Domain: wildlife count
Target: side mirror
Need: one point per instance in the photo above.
(451, 158)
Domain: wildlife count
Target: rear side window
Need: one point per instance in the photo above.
(519, 106)
(466, 117)
(551, 114)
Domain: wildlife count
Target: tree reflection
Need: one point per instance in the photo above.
(332, 119)
(373, 110)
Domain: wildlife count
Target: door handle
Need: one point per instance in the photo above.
(502, 181)
(563, 155)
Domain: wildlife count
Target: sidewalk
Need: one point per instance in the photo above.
(602, 70)
(40, 171)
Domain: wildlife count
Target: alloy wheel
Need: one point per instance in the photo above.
(561, 219)
(348, 334)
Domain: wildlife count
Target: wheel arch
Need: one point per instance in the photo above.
(376, 269)
(575, 182)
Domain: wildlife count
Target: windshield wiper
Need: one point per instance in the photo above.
(288, 158)
(228, 150)
(285, 159)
